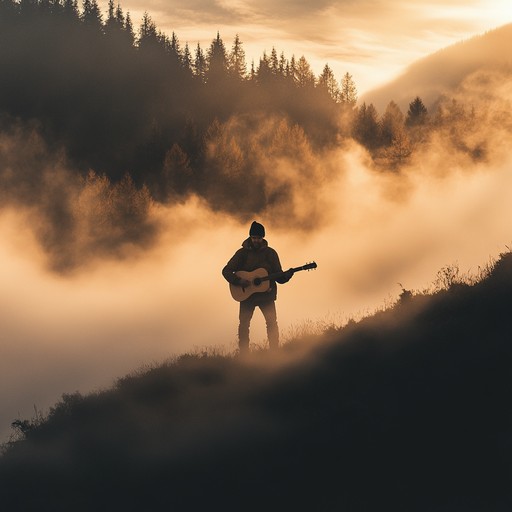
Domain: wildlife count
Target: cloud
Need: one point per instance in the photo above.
(75, 218)
(178, 13)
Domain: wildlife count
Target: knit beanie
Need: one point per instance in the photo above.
(257, 229)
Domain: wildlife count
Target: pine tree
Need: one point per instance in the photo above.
(366, 126)
(264, 73)
(292, 72)
(148, 36)
(392, 123)
(417, 113)
(91, 15)
(305, 77)
(283, 65)
(328, 83)
(236, 61)
(128, 30)
(217, 60)
(173, 48)
(115, 19)
(252, 74)
(175, 44)
(186, 59)
(120, 16)
(200, 64)
(111, 11)
(164, 42)
(274, 62)
(348, 91)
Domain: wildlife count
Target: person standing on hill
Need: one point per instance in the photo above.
(255, 253)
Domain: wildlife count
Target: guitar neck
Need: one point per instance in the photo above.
(279, 274)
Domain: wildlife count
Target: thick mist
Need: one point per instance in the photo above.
(78, 310)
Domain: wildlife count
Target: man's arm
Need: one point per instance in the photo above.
(287, 275)
(232, 266)
(276, 268)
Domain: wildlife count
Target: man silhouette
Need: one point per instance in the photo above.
(255, 253)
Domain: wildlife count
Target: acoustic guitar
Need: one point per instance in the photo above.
(259, 281)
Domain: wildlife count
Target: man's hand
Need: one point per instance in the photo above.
(243, 283)
(289, 274)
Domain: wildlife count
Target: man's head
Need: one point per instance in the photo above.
(257, 229)
(257, 232)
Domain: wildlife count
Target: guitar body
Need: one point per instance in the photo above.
(257, 285)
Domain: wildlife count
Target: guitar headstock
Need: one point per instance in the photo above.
(310, 266)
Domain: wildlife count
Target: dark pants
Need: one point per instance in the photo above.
(268, 308)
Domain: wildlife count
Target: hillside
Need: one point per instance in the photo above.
(406, 410)
(443, 71)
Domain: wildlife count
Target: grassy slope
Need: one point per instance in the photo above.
(407, 410)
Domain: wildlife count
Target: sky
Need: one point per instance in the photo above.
(373, 40)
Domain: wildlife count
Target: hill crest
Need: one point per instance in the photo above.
(443, 71)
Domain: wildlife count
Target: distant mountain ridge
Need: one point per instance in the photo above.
(406, 410)
(443, 71)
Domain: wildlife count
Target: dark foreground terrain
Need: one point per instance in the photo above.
(408, 410)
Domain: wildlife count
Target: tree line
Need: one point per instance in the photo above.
(119, 99)
(392, 138)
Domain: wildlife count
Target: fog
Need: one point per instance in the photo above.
(111, 311)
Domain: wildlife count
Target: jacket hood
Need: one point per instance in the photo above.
(246, 244)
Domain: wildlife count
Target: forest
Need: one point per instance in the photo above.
(130, 117)
(119, 101)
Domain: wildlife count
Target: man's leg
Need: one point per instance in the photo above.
(246, 312)
(269, 312)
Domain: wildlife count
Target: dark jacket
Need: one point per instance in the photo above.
(249, 258)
